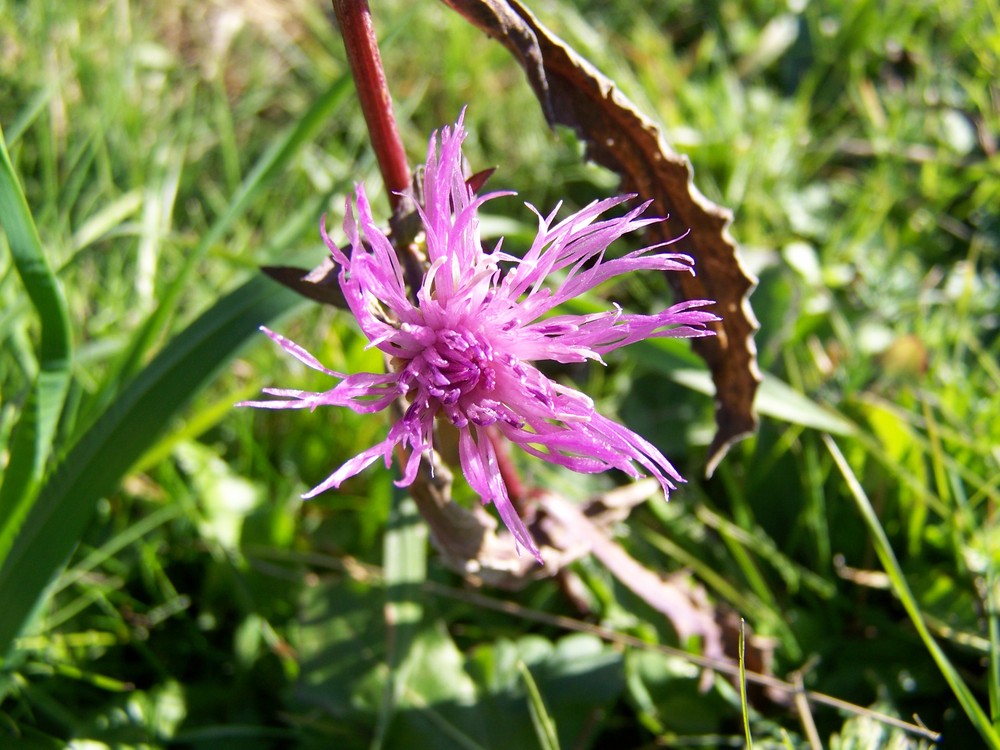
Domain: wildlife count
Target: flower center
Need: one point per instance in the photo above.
(457, 363)
(454, 363)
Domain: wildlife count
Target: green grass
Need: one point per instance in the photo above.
(164, 585)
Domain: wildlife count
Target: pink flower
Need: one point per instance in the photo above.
(464, 352)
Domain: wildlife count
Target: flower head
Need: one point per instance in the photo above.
(464, 351)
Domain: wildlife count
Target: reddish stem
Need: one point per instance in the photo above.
(355, 19)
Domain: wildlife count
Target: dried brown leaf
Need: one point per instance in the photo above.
(573, 93)
(319, 284)
(683, 602)
(470, 543)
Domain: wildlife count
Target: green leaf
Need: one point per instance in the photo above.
(775, 398)
(32, 438)
(130, 425)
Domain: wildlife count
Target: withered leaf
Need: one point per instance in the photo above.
(682, 601)
(617, 136)
(319, 284)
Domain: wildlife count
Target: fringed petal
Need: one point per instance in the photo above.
(479, 464)
(464, 352)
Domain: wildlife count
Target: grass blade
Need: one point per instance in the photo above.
(993, 625)
(745, 710)
(96, 464)
(405, 570)
(541, 719)
(32, 438)
(902, 590)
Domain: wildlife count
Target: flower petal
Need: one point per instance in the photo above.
(479, 464)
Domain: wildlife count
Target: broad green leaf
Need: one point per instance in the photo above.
(130, 425)
(778, 400)
(669, 691)
(775, 398)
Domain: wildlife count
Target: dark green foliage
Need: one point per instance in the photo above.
(165, 151)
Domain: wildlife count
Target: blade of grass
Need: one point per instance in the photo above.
(902, 590)
(993, 624)
(96, 464)
(31, 441)
(718, 583)
(27, 116)
(545, 727)
(117, 543)
(743, 686)
(204, 419)
(757, 540)
(405, 570)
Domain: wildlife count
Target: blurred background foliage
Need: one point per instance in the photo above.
(166, 150)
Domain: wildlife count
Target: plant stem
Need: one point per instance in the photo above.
(355, 20)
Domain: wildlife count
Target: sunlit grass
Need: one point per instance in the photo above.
(204, 603)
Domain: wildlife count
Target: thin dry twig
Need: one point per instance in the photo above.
(805, 713)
